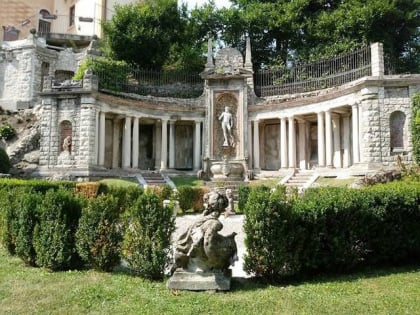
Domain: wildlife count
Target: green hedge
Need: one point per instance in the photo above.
(191, 198)
(5, 164)
(98, 237)
(147, 238)
(331, 230)
(37, 185)
(415, 127)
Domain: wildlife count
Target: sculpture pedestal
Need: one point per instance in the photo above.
(200, 281)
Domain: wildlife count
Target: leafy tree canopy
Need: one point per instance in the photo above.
(157, 34)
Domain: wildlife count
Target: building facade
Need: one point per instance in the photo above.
(358, 126)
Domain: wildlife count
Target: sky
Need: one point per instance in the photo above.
(219, 3)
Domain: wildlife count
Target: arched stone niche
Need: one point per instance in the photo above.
(66, 131)
(223, 100)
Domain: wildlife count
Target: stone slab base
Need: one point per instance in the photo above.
(200, 281)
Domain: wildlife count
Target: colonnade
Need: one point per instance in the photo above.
(130, 140)
(338, 140)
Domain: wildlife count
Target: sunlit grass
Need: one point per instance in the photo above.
(335, 182)
(120, 182)
(26, 290)
(187, 181)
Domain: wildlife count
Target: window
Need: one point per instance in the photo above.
(72, 15)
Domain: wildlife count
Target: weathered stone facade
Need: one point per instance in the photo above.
(355, 127)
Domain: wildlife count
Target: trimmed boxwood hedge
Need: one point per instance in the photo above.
(331, 230)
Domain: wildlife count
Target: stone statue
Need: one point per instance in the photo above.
(67, 144)
(227, 124)
(201, 247)
(230, 209)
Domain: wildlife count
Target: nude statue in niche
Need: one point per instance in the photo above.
(227, 124)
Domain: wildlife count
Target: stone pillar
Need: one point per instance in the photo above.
(321, 140)
(302, 144)
(250, 152)
(101, 153)
(336, 141)
(355, 131)
(164, 144)
(346, 141)
(135, 150)
(126, 156)
(377, 59)
(172, 144)
(256, 145)
(157, 147)
(283, 142)
(97, 137)
(197, 145)
(328, 139)
(116, 154)
(292, 142)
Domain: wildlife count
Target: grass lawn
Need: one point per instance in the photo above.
(187, 181)
(335, 182)
(120, 182)
(25, 290)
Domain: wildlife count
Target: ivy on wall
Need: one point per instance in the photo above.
(415, 127)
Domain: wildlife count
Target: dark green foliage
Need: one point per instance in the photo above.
(7, 132)
(147, 237)
(166, 192)
(243, 193)
(415, 127)
(26, 207)
(54, 237)
(332, 229)
(5, 164)
(98, 236)
(125, 196)
(9, 219)
(186, 197)
(37, 185)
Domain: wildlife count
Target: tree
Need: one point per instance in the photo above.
(142, 33)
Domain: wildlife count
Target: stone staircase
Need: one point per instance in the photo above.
(301, 179)
(153, 179)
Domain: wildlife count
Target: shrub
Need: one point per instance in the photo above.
(198, 194)
(186, 198)
(147, 237)
(5, 164)
(415, 127)
(54, 237)
(7, 132)
(126, 196)
(243, 193)
(27, 218)
(331, 229)
(9, 225)
(37, 185)
(98, 236)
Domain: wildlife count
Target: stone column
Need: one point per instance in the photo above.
(321, 140)
(116, 154)
(126, 156)
(197, 145)
(101, 153)
(97, 137)
(346, 141)
(256, 145)
(302, 144)
(135, 150)
(337, 141)
(250, 152)
(355, 132)
(172, 144)
(292, 143)
(164, 144)
(328, 139)
(283, 142)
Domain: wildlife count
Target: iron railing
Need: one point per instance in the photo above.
(315, 76)
(170, 83)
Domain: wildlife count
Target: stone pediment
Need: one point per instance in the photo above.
(229, 63)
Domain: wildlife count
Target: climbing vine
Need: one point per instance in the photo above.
(415, 127)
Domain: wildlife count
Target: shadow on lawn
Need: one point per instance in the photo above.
(248, 284)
